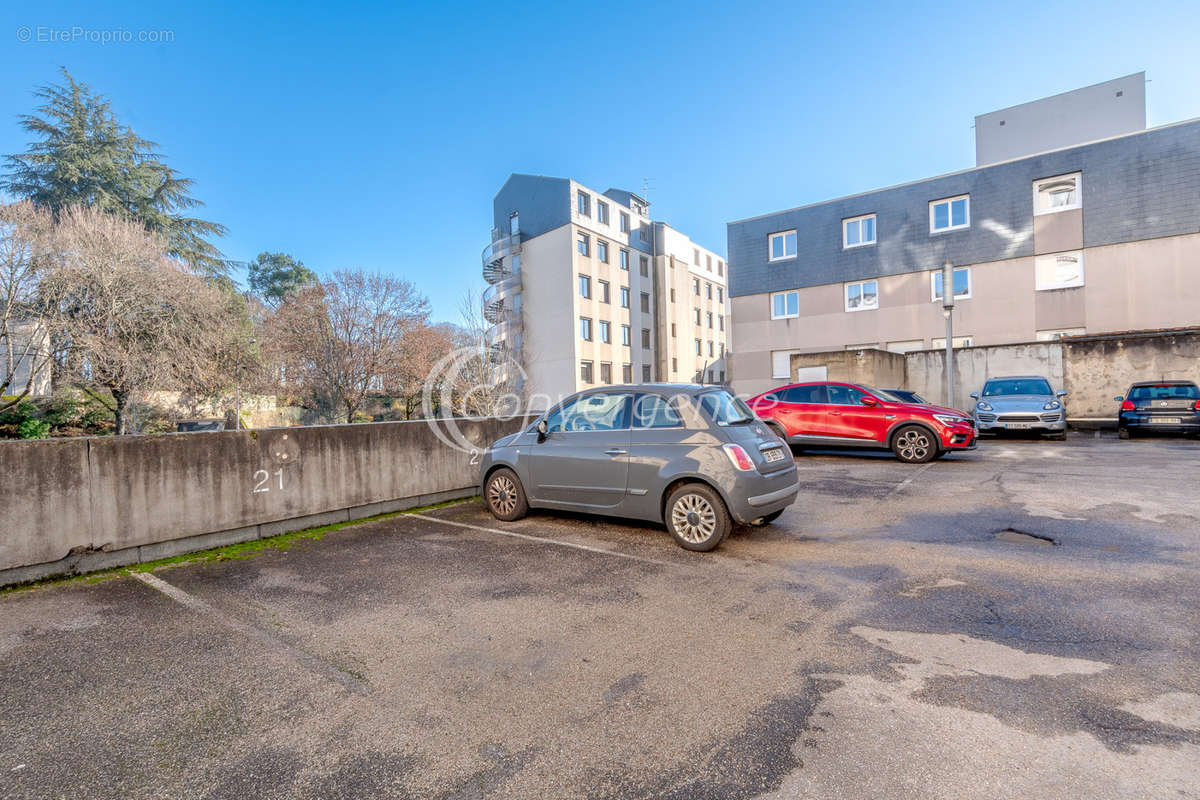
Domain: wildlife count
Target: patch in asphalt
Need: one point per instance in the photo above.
(753, 761)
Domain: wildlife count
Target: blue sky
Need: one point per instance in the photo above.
(375, 135)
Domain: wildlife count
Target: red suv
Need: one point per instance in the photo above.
(849, 415)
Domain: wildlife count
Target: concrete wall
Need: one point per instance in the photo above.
(926, 369)
(92, 503)
(1094, 112)
(877, 368)
(1098, 369)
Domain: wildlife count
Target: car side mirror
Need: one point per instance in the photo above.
(542, 430)
(974, 395)
(869, 401)
(1060, 393)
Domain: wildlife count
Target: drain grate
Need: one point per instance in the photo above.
(1014, 536)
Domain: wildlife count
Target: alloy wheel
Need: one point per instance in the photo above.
(913, 445)
(502, 494)
(694, 518)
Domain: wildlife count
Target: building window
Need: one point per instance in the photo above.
(696, 257)
(959, 341)
(672, 294)
(720, 268)
(708, 290)
(697, 347)
(646, 376)
(583, 204)
(710, 348)
(1062, 193)
(696, 286)
(709, 318)
(624, 222)
(722, 376)
(582, 244)
(585, 329)
(585, 371)
(645, 338)
(781, 363)
(962, 284)
(781, 245)
(1055, 335)
(644, 232)
(585, 286)
(674, 365)
(950, 214)
(708, 262)
(626, 337)
(602, 217)
(644, 266)
(627, 373)
(602, 250)
(696, 312)
(858, 231)
(605, 372)
(604, 298)
(862, 296)
(1059, 271)
(720, 295)
(605, 331)
(624, 259)
(672, 330)
(624, 297)
(720, 322)
(645, 303)
(722, 352)
(785, 305)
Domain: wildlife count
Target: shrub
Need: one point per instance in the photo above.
(33, 429)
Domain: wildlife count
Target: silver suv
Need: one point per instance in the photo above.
(693, 457)
(1020, 403)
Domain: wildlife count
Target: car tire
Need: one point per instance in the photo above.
(913, 444)
(1123, 433)
(767, 520)
(504, 495)
(696, 516)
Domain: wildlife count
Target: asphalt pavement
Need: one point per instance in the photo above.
(1018, 621)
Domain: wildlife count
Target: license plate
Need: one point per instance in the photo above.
(774, 454)
(1017, 426)
(1166, 420)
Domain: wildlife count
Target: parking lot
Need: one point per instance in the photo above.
(1019, 621)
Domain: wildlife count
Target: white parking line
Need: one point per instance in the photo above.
(302, 658)
(542, 540)
(908, 480)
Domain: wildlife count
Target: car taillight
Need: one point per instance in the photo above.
(737, 455)
(1196, 406)
(1127, 405)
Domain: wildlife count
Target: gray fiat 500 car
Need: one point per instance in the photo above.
(693, 457)
(1021, 403)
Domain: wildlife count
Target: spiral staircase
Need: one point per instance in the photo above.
(502, 301)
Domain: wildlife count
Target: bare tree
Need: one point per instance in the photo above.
(487, 378)
(133, 317)
(26, 257)
(344, 337)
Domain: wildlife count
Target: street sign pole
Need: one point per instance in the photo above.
(948, 312)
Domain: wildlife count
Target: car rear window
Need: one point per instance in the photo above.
(814, 393)
(725, 409)
(653, 411)
(1038, 386)
(1166, 391)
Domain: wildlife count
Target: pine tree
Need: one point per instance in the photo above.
(83, 155)
(273, 276)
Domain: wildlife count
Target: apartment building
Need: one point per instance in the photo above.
(1100, 234)
(585, 289)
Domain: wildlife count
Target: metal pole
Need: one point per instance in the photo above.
(237, 397)
(948, 306)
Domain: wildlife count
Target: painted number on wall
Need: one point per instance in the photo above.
(263, 478)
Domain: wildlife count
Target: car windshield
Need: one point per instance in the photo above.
(1166, 391)
(899, 396)
(725, 409)
(1007, 386)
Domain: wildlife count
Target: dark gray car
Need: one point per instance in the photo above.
(693, 457)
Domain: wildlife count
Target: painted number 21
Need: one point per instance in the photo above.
(262, 476)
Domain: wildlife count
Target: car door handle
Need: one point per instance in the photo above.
(835, 413)
(616, 452)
